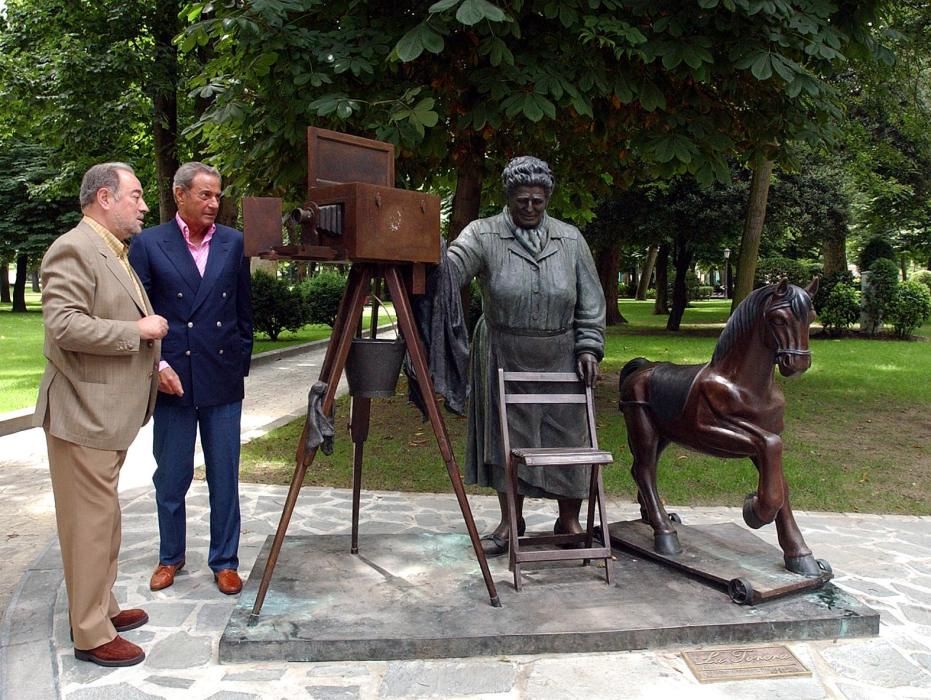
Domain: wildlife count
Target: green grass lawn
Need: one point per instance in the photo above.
(857, 435)
(21, 339)
(22, 336)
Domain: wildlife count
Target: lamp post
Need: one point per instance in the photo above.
(727, 274)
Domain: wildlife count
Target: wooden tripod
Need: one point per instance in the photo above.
(347, 320)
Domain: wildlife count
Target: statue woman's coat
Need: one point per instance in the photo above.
(540, 313)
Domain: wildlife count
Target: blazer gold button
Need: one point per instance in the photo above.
(224, 295)
(149, 343)
(219, 324)
(221, 351)
(187, 352)
(180, 295)
(190, 324)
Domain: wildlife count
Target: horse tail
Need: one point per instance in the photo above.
(630, 368)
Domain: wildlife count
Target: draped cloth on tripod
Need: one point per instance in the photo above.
(442, 327)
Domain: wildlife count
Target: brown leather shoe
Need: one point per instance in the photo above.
(228, 581)
(129, 619)
(117, 652)
(164, 575)
(126, 620)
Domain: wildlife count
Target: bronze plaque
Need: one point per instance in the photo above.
(743, 663)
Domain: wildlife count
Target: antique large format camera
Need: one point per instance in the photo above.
(353, 212)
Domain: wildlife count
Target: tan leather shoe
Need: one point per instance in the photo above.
(116, 652)
(164, 575)
(228, 581)
(129, 619)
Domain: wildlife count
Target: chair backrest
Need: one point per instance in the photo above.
(571, 390)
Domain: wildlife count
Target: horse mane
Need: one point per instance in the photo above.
(748, 312)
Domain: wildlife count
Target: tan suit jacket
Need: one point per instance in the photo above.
(100, 380)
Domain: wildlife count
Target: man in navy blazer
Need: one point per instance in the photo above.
(196, 276)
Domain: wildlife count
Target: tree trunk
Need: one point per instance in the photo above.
(165, 102)
(19, 287)
(661, 306)
(4, 282)
(680, 290)
(229, 212)
(834, 253)
(34, 278)
(647, 273)
(467, 199)
(608, 262)
(753, 229)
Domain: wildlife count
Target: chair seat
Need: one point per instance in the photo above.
(561, 456)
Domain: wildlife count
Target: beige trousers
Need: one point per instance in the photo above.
(87, 509)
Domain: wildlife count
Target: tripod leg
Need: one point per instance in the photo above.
(359, 415)
(333, 364)
(415, 349)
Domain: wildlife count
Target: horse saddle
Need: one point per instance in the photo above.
(669, 388)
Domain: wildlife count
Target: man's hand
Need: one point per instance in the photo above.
(587, 368)
(152, 327)
(169, 382)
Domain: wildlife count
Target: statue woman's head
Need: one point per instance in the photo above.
(528, 184)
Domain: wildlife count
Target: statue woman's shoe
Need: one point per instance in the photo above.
(494, 545)
(558, 530)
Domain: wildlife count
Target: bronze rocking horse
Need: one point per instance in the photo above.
(729, 407)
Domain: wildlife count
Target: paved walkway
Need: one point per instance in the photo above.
(883, 560)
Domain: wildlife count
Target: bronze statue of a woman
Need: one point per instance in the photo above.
(543, 311)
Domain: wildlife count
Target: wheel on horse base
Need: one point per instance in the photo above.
(674, 517)
(825, 567)
(740, 590)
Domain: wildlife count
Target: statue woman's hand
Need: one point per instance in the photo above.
(587, 368)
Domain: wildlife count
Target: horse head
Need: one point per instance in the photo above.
(788, 316)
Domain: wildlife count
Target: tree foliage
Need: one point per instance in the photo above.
(609, 91)
(886, 148)
(32, 217)
(94, 82)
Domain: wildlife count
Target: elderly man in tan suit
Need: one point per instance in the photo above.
(102, 344)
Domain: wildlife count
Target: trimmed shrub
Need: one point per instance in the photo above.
(322, 295)
(769, 270)
(923, 276)
(873, 250)
(841, 309)
(909, 308)
(275, 306)
(705, 291)
(827, 283)
(692, 283)
(878, 293)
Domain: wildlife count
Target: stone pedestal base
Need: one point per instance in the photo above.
(422, 596)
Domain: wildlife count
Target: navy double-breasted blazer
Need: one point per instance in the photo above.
(209, 341)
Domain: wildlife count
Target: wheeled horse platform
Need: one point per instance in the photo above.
(724, 555)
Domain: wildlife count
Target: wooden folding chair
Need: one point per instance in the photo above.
(558, 458)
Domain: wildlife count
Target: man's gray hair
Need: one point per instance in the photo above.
(187, 172)
(527, 171)
(101, 176)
